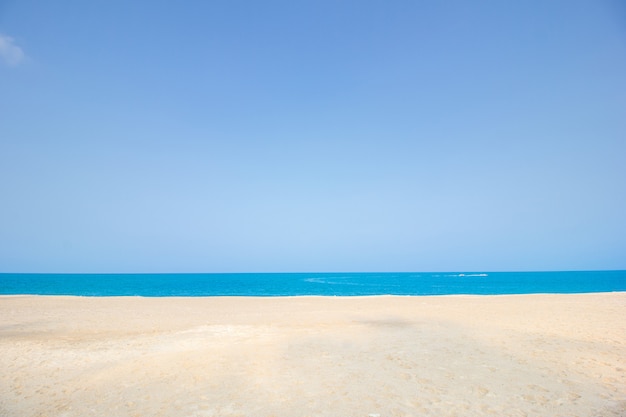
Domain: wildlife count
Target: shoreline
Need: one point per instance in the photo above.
(507, 355)
(311, 295)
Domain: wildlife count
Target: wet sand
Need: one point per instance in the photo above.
(522, 355)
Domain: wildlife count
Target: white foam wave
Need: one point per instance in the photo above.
(467, 275)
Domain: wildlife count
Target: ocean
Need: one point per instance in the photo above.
(329, 284)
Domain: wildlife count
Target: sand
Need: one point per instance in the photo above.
(523, 355)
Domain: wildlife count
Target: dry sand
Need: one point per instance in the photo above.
(526, 355)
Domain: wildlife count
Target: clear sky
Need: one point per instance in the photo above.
(247, 136)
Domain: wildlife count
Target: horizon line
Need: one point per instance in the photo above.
(314, 272)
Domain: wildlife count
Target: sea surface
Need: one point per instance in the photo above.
(293, 284)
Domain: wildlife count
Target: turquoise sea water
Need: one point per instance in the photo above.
(290, 284)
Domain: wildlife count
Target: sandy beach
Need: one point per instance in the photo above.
(523, 355)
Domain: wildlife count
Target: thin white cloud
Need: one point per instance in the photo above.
(10, 53)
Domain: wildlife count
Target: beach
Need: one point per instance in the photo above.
(508, 355)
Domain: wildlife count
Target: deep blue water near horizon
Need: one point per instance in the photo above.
(329, 284)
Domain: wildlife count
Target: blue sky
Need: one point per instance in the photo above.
(234, 136)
